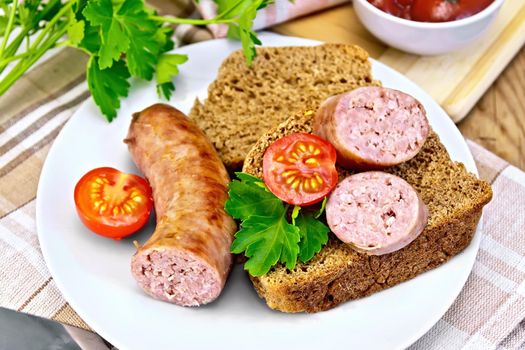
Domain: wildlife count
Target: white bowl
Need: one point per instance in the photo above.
(425, 38)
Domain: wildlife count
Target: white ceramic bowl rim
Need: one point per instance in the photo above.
(434, 25)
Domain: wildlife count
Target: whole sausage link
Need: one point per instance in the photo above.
(187, 259)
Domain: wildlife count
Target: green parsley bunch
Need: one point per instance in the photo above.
(123, 38)
(267, 236)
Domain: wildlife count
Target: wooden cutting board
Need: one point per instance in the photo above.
(455, 80)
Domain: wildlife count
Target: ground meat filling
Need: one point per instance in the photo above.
(375, 211)
(382, 125)
(177, 277)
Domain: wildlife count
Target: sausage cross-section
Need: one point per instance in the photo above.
(375, 212)
(372, 127)
(187, 259)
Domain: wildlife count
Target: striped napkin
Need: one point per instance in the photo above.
(488, 314)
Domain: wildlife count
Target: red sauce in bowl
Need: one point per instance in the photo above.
(431, 10)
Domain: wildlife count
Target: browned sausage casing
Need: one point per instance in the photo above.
(187, 259)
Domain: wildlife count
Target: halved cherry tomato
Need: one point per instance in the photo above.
(113, 204)
(300, 168)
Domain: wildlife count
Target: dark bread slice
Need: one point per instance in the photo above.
(244, 102)
(454, 197)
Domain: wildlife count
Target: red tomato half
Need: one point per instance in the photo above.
(300, 168)
(113, 204)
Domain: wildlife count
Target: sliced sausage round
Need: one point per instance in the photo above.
(376, 212)
(372, 127)
(187, 259)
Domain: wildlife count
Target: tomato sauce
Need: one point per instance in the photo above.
(431, 10)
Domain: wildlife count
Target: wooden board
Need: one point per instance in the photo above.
(497, 121)
(455, 80)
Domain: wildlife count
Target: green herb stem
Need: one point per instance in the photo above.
(35, 54)
(14, 45)
(228, 11)
(9, 27)
(47, 39)
(12, 48)
(177, 20)
(48, 7)
(5, 61)
(52, 22)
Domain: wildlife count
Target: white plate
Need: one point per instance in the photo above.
(94, 275)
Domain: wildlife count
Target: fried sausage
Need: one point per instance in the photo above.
(375, 212)
(187, 259)
(372, 127)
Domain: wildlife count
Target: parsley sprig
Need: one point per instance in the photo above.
(123, 38)
(266, 236)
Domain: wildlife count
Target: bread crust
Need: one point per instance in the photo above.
(337, 274)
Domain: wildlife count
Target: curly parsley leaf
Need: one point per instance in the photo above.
(250, 197)
(75, 32)
(108, 85)
(127, 28)
(266, 241)
(163, 36)
(251, 179)
(167, 68)
(241, 28)
(247, 35)
(266, 236)
(114, 40)
(143, 50)
(314, 235)
(91, 39)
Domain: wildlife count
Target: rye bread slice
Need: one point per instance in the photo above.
(454, 197)
(244, 102)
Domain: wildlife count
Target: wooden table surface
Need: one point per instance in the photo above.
(497, 121)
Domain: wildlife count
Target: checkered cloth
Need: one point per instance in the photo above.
(488, 314)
